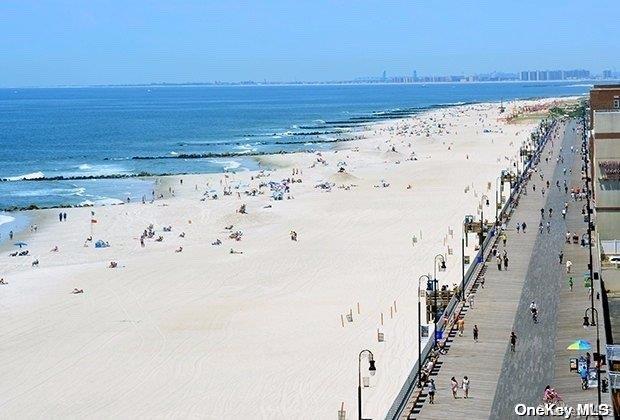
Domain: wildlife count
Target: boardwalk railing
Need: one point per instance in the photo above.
(406, 390)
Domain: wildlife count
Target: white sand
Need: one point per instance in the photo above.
(207, 334)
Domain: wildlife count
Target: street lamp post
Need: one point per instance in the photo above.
(463, 265)
(442, 267)
(372, 369)
(594, 322)
(498, 197)
(428, 279)
(484, 197)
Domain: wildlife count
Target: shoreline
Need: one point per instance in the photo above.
(259, 157)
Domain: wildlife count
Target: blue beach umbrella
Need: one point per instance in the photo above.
(580, 345)
(20, 244)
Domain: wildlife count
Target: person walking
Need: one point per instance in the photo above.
(518, 227)
(499, 263)
(523, 226)
(431, 391)
(569, 264)
(548, 227)
(503, 238)
(570, 283)
(454, 386)
(513, 341)
(506, 262)
(540, 227)
(471, 298)
(461, 326)
(465, 386)
(560, 257)
(476, 332)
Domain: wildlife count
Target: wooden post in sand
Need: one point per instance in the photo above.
(342, 415)
(342, 320)
(395, 307)
(358, 308)
(381, 318)
(391, 313)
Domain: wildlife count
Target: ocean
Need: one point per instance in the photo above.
(72, 146)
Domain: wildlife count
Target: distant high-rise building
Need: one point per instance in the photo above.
(542, 75)
(555, 74)
(533, 75)
(415, 75)
(525, 75)
(607, 74)
(576, 74)
(384, 76)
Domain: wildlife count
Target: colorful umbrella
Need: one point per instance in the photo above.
(580, 345)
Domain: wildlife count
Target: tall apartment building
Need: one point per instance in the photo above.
(555, 74)
(533, 75)
(525, 75)
(542, 75)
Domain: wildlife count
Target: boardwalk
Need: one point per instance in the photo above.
(526, 372)
(571, 311)
(499, 377)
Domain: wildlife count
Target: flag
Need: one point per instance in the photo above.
(93, 221)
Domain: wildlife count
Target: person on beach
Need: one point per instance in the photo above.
(461, 326)
(465, 386)
(476, 333)
(569, 264)
(570, 283)
(504, 238)
(471, 300)
(454, 386)
(513, 341)
(60, 217)
(64, 217)
(560, 257)
(518, 227)
(540, 227)
(506, 262)
(523, 226)
(499, 263)
(431, 391)
(548, 227)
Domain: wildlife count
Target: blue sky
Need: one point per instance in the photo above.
(101, 42)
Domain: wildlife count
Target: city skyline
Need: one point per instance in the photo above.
(95, 43)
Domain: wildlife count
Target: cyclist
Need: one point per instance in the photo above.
(534, 311)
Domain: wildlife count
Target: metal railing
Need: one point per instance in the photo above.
(406, 390)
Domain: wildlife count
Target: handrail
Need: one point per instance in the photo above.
(406, 390)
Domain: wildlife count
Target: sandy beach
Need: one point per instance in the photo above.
(250, 328)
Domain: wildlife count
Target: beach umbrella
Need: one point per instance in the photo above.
(20, 244)
(580, 345)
